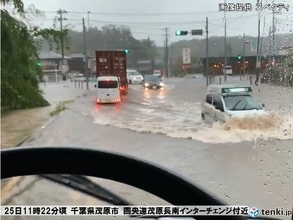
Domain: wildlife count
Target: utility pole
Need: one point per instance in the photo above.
(225, 45)
(244, 44)
(171, 57)
(61, 19)
(273, 36)
(85, 55)
(207, 50)
(258, 64)
(166, 52)
(88, 20)
(88, 28)
(271, 42)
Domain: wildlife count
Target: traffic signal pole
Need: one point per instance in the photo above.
(244, 42)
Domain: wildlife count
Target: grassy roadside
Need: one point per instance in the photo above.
(17, 126)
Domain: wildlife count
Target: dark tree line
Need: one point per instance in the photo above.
(112, 37)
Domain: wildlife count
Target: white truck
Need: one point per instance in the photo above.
(229, 70)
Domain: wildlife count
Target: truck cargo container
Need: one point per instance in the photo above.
(113, 63)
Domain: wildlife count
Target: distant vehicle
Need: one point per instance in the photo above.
(113, 63)
(107, 89)
(229, 70)
(134, 77)
(227, 101)
(78, 77)
(158, 73)
(152, 82)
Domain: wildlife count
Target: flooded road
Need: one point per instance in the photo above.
(247, 167)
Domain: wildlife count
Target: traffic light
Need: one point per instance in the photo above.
(181, 33)
(239, 57)
(126, 51)
(38, 63)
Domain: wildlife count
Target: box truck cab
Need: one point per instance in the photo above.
(107, 89)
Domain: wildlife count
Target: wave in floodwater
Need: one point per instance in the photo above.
(182, 120)
(272, 126)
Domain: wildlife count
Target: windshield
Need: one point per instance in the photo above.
(241, 102)
(134, 73)
(245, 161)
(79, 76)
(227, 67)
(151, 78)
(107, 84)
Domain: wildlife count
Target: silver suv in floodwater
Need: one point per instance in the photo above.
(226, 101)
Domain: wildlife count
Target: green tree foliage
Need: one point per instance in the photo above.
(20, 73)
(216, 45)
(113, 37)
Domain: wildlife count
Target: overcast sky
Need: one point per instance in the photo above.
(148, 18)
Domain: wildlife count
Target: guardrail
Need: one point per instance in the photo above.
(81, 83)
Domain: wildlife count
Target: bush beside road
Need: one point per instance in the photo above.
(282, 76)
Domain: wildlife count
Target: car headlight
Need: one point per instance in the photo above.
(161, 84)
(146, 84)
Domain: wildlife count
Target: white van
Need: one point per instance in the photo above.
(227, 101)
(108, 89)
(229, 70)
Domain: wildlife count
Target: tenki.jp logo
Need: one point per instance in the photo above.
(254, 212)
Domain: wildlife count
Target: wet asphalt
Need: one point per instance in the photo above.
(254, 173)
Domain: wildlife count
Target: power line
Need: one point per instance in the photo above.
(177, 22)
(140, 14)
(158, 24)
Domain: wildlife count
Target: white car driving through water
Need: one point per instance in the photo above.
(226, 101)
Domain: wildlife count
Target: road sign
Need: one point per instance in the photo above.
(186, 56)
(197, 32)
(253, 46)
(186, 66)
